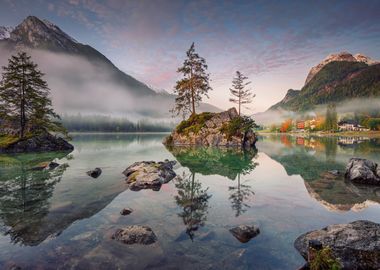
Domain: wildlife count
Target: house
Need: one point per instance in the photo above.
(300, 125)
(351, 125)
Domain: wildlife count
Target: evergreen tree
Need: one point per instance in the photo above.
(331, 122)
(24, 97)
(194, 84)
(241, 94)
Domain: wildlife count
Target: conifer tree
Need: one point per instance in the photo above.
(241, 94)
(24, 97)
(194, 84)
(331, 122)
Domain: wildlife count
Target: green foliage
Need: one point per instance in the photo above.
(6, 140)
(240, 94)
(331, 122)
(324, 260)
(194, 84)
(237, 126)
(194, 124)
(373, 123)
(24, 97)
(335, 82)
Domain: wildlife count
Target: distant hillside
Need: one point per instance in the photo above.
(336, 81)
(81, 78)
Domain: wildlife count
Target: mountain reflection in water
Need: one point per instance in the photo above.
(64, 219)
(312, 158)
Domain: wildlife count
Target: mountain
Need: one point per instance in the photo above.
(339, 57)
(5, 32)
(82, 79)
(339, 77)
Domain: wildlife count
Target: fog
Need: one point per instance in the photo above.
(357, 105)
(79, 86)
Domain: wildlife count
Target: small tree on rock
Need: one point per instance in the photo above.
(24, 97)
(194, 84)
(241, 94)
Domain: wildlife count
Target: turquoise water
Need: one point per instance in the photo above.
(62, 219)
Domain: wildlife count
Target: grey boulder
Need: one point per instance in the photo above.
(363, 171)
(135, 234)
(149, 174)
(356, 245)
(245, 233)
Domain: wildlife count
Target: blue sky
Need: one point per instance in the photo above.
(273, 42)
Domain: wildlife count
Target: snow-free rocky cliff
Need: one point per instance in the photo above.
(339, 57)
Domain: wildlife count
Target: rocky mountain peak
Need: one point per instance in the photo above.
(339, 57)
(36, 33)
(5, 32)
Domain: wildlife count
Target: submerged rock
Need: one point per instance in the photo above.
(40, 143)
(213, 129)
(245, 233)
(126, 211)
(135, 234)
(356, 245)
(95, 173)
(149, 174)
(363, 171)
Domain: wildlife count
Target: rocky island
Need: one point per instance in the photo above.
(214, 129)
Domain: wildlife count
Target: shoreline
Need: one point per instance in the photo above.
(369, 134)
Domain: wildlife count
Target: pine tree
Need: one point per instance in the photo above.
(24, 96)
(194, 84)
(241, 94)
(331, 122)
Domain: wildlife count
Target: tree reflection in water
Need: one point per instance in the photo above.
(239, 195)
(25, 194)
(193, 199)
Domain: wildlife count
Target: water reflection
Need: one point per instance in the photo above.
(193, 200)
(25, 194)
(239, 196)
(228, 162)
(313, 157)
(40, 204)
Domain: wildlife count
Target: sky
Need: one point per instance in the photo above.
(274, 43)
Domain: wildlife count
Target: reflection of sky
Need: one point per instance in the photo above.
(281, 206)
(273, 42)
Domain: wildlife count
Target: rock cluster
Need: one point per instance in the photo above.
(363, 171)
(135, 234)
(149, 174)
(40, 143)
(211, 133)
(356, 245)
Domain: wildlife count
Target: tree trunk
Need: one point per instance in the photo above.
(22, 109)
(192, 92)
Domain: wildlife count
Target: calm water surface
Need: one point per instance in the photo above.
(63, 219)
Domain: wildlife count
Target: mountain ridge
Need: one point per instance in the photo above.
(340, 77)
(42, 35)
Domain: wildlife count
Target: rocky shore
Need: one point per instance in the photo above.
(39, 143)
(355, 245)
(214, 129)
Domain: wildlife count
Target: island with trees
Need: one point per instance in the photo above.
(228, 128)
(28, 122)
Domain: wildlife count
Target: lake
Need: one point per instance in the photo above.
(63, 219)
